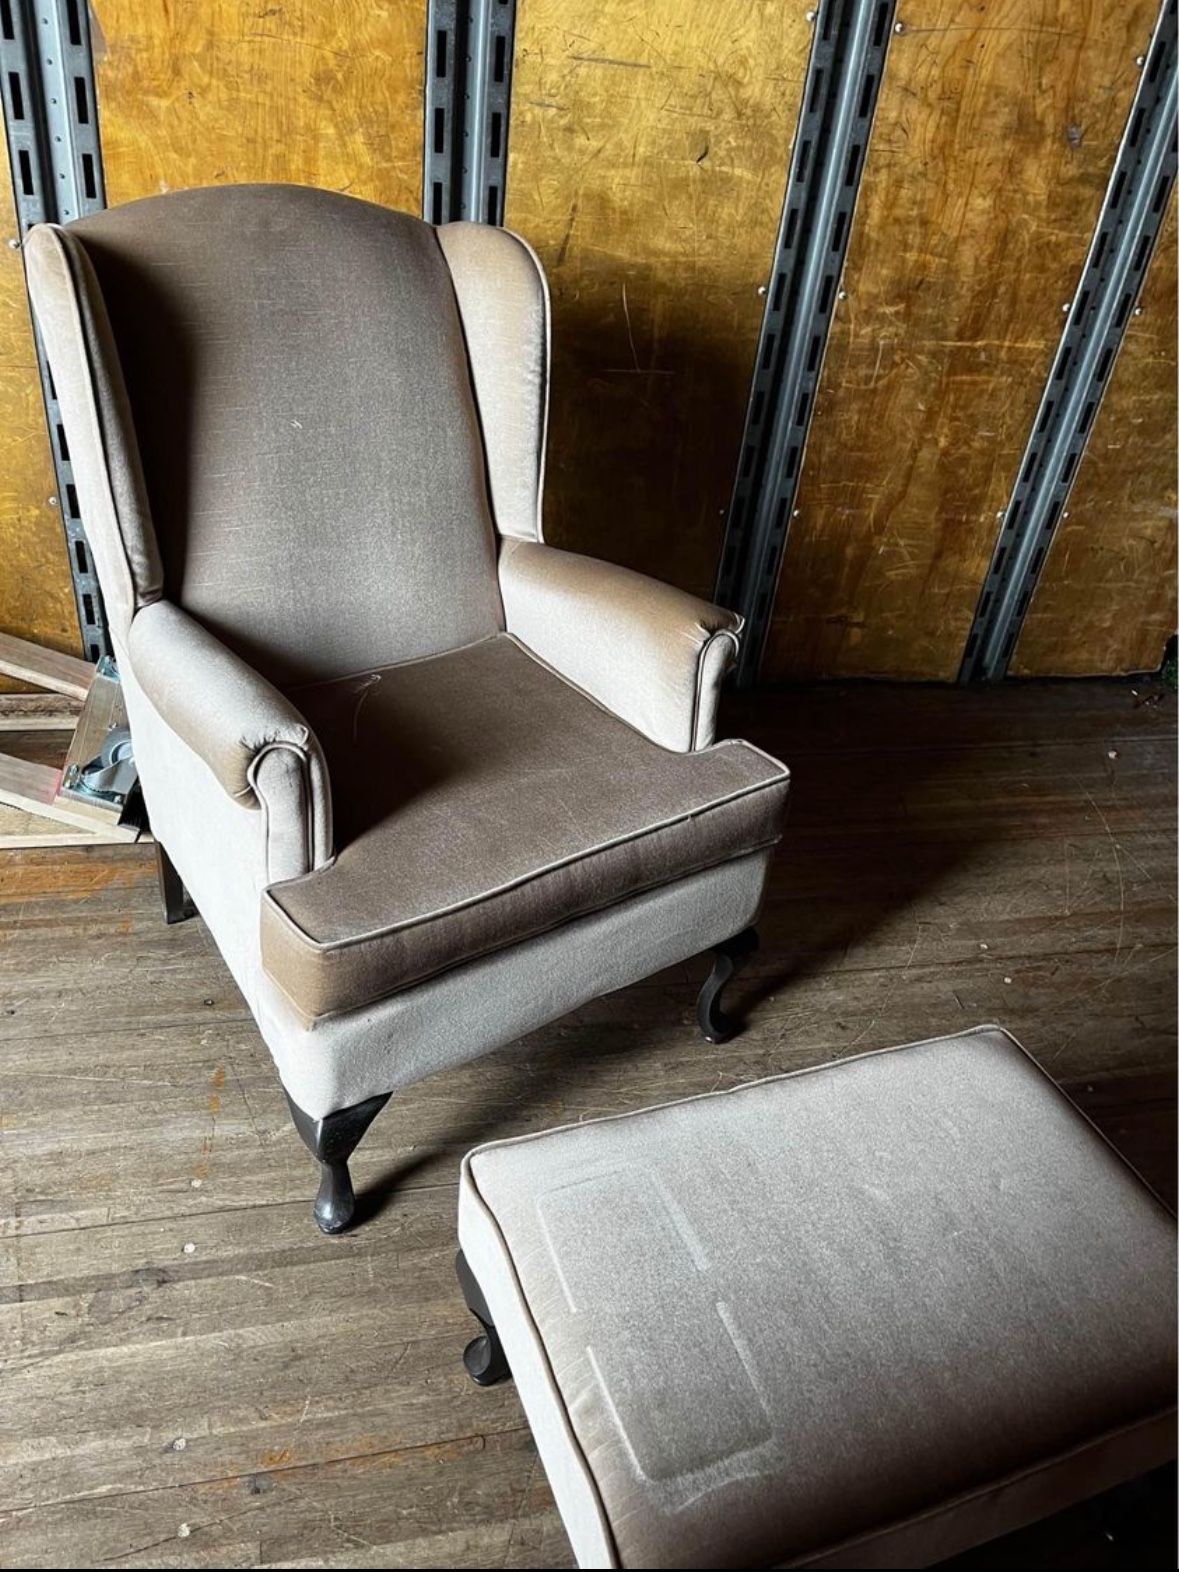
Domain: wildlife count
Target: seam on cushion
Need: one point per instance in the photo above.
(998, 1482)
(467, 1173)
(414, 660)
(749, 1086)
(526, 878)
(524, 938)
(743, 742)
(701, 662)
(66, 245)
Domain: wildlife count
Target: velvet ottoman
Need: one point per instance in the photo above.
(865, 1315)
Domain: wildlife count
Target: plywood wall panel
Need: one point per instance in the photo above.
(995, 132)
(318, 92)
(36, 592)
(1106, 601)
(647, 161)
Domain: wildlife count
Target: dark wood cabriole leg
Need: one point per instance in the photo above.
(483, 1356)
(728, 959)
(178, 906)
(332, 1140)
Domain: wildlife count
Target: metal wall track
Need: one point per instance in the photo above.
(468, 91)
(840, 93)
(51, 120)
(1123, 242)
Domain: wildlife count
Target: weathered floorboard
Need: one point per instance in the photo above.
(271, 1397)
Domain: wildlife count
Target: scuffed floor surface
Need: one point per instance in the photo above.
(192, 1376)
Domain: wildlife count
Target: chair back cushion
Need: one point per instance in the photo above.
(300, 396)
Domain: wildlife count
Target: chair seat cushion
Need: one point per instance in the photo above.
(864, 1315)
(479, 799)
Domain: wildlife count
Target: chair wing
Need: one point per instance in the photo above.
(503, 300)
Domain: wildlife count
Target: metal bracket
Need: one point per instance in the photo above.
(839, 99)
(110, 776)
(1119, 255)
(469, 50)
(94, 792)
(51, 120)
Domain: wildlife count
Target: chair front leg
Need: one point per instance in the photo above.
(332, 1140)
(728, 959)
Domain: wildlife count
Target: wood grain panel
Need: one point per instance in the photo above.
(647, 163)
(323, 94)
(996, 129)
(36, 592)
(44, 668)
(1106, 601)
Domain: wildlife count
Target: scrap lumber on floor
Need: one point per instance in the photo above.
(38, 804)
(192, 1375)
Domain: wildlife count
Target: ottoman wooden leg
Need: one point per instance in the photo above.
(728, 959)
(483, 1356)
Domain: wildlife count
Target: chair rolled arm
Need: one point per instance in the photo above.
(651, 653)
(252, 738)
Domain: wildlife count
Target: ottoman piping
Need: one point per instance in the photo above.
(998, 1482)
(541, 1345)
(543, 1348)
(835, 1064)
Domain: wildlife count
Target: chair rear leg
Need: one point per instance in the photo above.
(331, 1141)
(178, 903)
(484, 1357)
(728, 959)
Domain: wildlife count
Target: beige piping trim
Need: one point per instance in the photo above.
(312, 1017)
(535, 873)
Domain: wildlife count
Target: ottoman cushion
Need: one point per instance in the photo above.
(862, 1315)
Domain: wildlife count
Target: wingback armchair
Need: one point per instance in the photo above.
(430, 782)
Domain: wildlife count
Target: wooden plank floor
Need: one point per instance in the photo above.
(193, 1376)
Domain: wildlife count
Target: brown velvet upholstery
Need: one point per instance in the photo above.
(222, 708)
(865, 1315)
(302, 398)
(303, 430)
(598, 623)
(479, 800)
(504, 308)
(96, 414)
